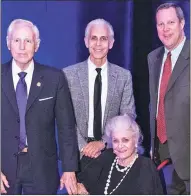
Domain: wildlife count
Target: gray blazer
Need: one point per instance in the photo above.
(120, 99)
(177, 107)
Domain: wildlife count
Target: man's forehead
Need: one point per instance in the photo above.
(166, 15)
(18, 30)
(169, 11)
(22, 26)
(99, 29)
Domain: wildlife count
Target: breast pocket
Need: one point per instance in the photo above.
(46, 105)
(45, 98)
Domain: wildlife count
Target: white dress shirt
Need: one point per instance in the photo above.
(174, 56)
(92, 73)
(28, 78)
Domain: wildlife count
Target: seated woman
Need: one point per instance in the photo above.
(121, 170)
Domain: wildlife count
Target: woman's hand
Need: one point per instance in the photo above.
(81, 189)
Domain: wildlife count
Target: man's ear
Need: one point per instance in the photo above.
(86, 42)
(111, 42)
(37, 44)
(182, 22)
(8, 43)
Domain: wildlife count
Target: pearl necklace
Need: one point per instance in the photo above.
(120, 170)
(127, 168)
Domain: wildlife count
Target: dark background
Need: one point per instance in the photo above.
(62, 25)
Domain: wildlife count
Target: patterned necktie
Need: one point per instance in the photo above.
(21, 94)
(161, 124)
(97, 106)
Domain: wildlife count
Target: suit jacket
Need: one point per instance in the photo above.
(120, 99)
(177, 107)
(40, 127)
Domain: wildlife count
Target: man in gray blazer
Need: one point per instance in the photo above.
(116, 95)
(169, 75)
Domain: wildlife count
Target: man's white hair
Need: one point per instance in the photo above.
(100, 21)
(16, 22)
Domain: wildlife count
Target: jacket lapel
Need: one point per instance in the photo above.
(182, 62)
(83, 78)
(36, 85)
(112, 78)
(8, 87)
(157, 68)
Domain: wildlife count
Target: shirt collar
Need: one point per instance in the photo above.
(177, 50)
(92, 66)
(16, 69)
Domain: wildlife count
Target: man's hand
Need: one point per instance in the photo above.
(81, 189)
(69, 181)
(4, 183)
(93, 149)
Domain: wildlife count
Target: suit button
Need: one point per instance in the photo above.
(17, 137)
(18, 120)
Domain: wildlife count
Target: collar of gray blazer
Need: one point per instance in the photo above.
(83, 77)
(185, 50)
(182, 62)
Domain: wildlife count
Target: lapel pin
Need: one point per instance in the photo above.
(38, 84)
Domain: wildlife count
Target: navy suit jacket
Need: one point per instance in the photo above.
(41, 114)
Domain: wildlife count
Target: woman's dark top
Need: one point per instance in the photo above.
(141, 179)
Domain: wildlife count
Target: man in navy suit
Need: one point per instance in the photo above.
(34, 96)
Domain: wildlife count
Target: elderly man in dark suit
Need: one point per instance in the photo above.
(100, 90)
(169, 74)
(33, 97)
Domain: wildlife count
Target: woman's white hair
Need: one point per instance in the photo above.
(128, 124)
(100, 21)
(16, 22)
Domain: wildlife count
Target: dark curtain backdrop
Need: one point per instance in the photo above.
(62, 25)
